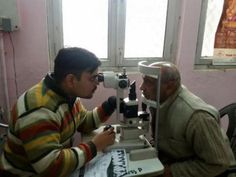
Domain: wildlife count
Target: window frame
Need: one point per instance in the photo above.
(117, 61)
(208, 62)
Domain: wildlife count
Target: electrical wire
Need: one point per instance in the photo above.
(142, 137)
(14, 64)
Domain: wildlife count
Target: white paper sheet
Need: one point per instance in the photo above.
(99, 165)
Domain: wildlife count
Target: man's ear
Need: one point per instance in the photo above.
(70, 80)
(170, 87)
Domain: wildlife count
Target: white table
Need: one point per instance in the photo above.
(136, 166)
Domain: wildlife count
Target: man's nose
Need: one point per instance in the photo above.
(141, 87)
(96, 82)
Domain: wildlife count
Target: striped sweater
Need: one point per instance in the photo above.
(41, 128)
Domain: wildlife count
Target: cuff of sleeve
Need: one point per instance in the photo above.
(93, 148)
(103, 116)
(89, 149)
(108, 108)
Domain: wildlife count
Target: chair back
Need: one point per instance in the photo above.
(230, 111)
(3, 134)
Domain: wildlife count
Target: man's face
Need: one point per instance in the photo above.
(86, 85)
(149, 88)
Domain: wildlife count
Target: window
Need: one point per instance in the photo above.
(120, 32)
(85, 24)
(217, 34)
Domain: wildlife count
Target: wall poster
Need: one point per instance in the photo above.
(225, 38)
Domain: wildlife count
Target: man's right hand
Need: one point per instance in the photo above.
(104, 139)
(109, 105)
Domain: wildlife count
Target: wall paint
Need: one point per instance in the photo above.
(30, 48)
(217, 87)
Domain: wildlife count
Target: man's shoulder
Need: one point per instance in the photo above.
(195, 103)
(40, 96)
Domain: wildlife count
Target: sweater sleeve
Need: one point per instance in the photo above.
(89, 120)
(211, 159)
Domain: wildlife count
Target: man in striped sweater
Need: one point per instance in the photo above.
(45, 118)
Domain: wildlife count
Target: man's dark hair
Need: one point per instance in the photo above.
(74, 60)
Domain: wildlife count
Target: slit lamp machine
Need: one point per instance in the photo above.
(133, 125)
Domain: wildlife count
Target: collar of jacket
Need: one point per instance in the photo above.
(51, 83)
(166, 104)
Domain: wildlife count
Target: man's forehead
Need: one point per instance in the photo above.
(149, 78)
(89, 73)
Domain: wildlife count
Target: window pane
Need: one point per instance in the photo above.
(85, 24)
(145, 28)
(214, 10)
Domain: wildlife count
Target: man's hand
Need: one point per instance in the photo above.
(109, 105)
(104, 139)
(167, 172)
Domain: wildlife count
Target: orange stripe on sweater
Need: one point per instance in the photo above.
(87, 151)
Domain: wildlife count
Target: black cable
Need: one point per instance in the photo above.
(14, 64)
